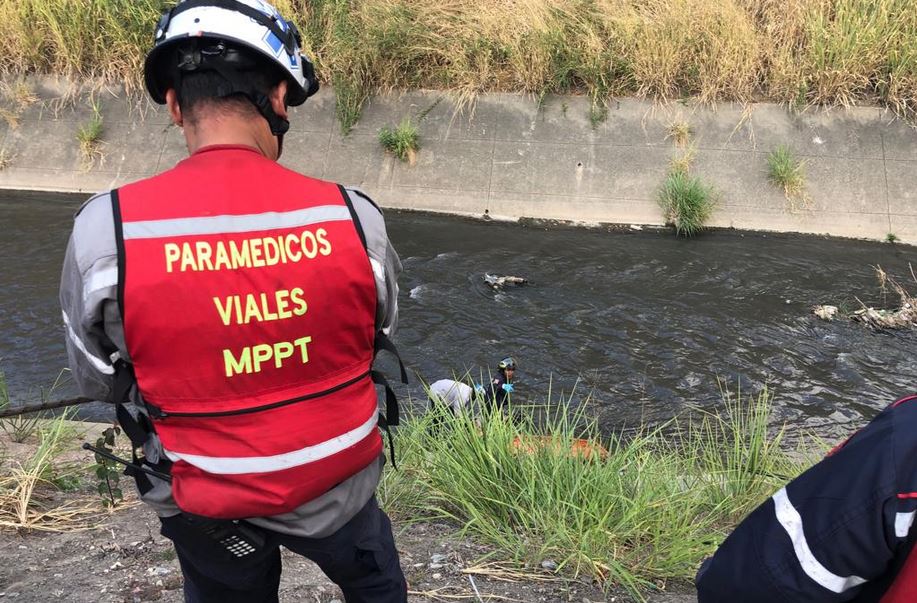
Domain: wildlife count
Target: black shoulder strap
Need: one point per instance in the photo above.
(353, 215)
(119, 245)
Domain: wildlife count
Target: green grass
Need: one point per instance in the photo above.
(662, 499)
(799, 52)
(787, 171)
(891, 238)
(402, 141)
(21, 428)
(686, 202)
(89, 135)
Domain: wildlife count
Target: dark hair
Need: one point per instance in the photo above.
(208, 88)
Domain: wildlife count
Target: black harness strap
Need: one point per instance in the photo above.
(138, 430)
(392, 414)
(384, 343)
(383, 423)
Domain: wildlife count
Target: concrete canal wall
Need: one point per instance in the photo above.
(510, 157)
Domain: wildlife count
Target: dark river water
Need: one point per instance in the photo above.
(643, 323)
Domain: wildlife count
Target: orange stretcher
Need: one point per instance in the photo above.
(579, 448)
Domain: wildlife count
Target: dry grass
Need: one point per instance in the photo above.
(6, 158)
(800, 52)
(29, 497)
(683, 159)
(680, 133)
(17, 96)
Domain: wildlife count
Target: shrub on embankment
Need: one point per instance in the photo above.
(795, 51)
(649, 511)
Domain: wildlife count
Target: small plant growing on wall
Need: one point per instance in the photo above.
(680, 132)
(785, 170)
(402, 141)
(89, 135)
(17, 96)
(686, 202)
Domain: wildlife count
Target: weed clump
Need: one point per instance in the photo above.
(89, 135)
(402, 141)
(686, 202)
(788, 172)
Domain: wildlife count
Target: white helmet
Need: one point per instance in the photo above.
(242, 24)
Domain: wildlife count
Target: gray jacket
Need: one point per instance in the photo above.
(95, 339)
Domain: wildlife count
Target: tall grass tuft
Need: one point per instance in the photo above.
(89, 135)
(686, 202)
(788, 172)
(650, 510)
(402, 141)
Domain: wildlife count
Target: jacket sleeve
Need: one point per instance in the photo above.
(832, 533)
(88, 296)
(383, 258)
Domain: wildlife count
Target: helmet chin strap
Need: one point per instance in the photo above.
(279, 126)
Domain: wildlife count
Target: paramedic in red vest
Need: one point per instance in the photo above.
(841, 531)
(243, 302)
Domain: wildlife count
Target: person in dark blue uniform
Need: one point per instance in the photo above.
(497, 395)
(841, 531)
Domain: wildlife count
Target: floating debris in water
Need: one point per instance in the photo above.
(498, 282)
(825, 312)
(904, 317)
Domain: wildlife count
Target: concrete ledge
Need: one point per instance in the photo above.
(511, 158)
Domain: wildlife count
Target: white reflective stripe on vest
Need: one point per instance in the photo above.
(180, 227)
(903, 523)
(791, 521)
(265, 464)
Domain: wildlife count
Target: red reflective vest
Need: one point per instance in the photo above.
(249, 315)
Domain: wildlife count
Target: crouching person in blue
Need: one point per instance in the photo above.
(841, 531)
(239, 305)
(497, 395)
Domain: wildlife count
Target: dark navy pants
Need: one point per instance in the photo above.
(360, 558)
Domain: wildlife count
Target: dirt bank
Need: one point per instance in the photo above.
(119, 557)
(126, 560)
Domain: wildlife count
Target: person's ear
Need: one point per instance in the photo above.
(278, 98)
(174, 108)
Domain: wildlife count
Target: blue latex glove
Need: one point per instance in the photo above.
(479, 389)
(508, 388)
